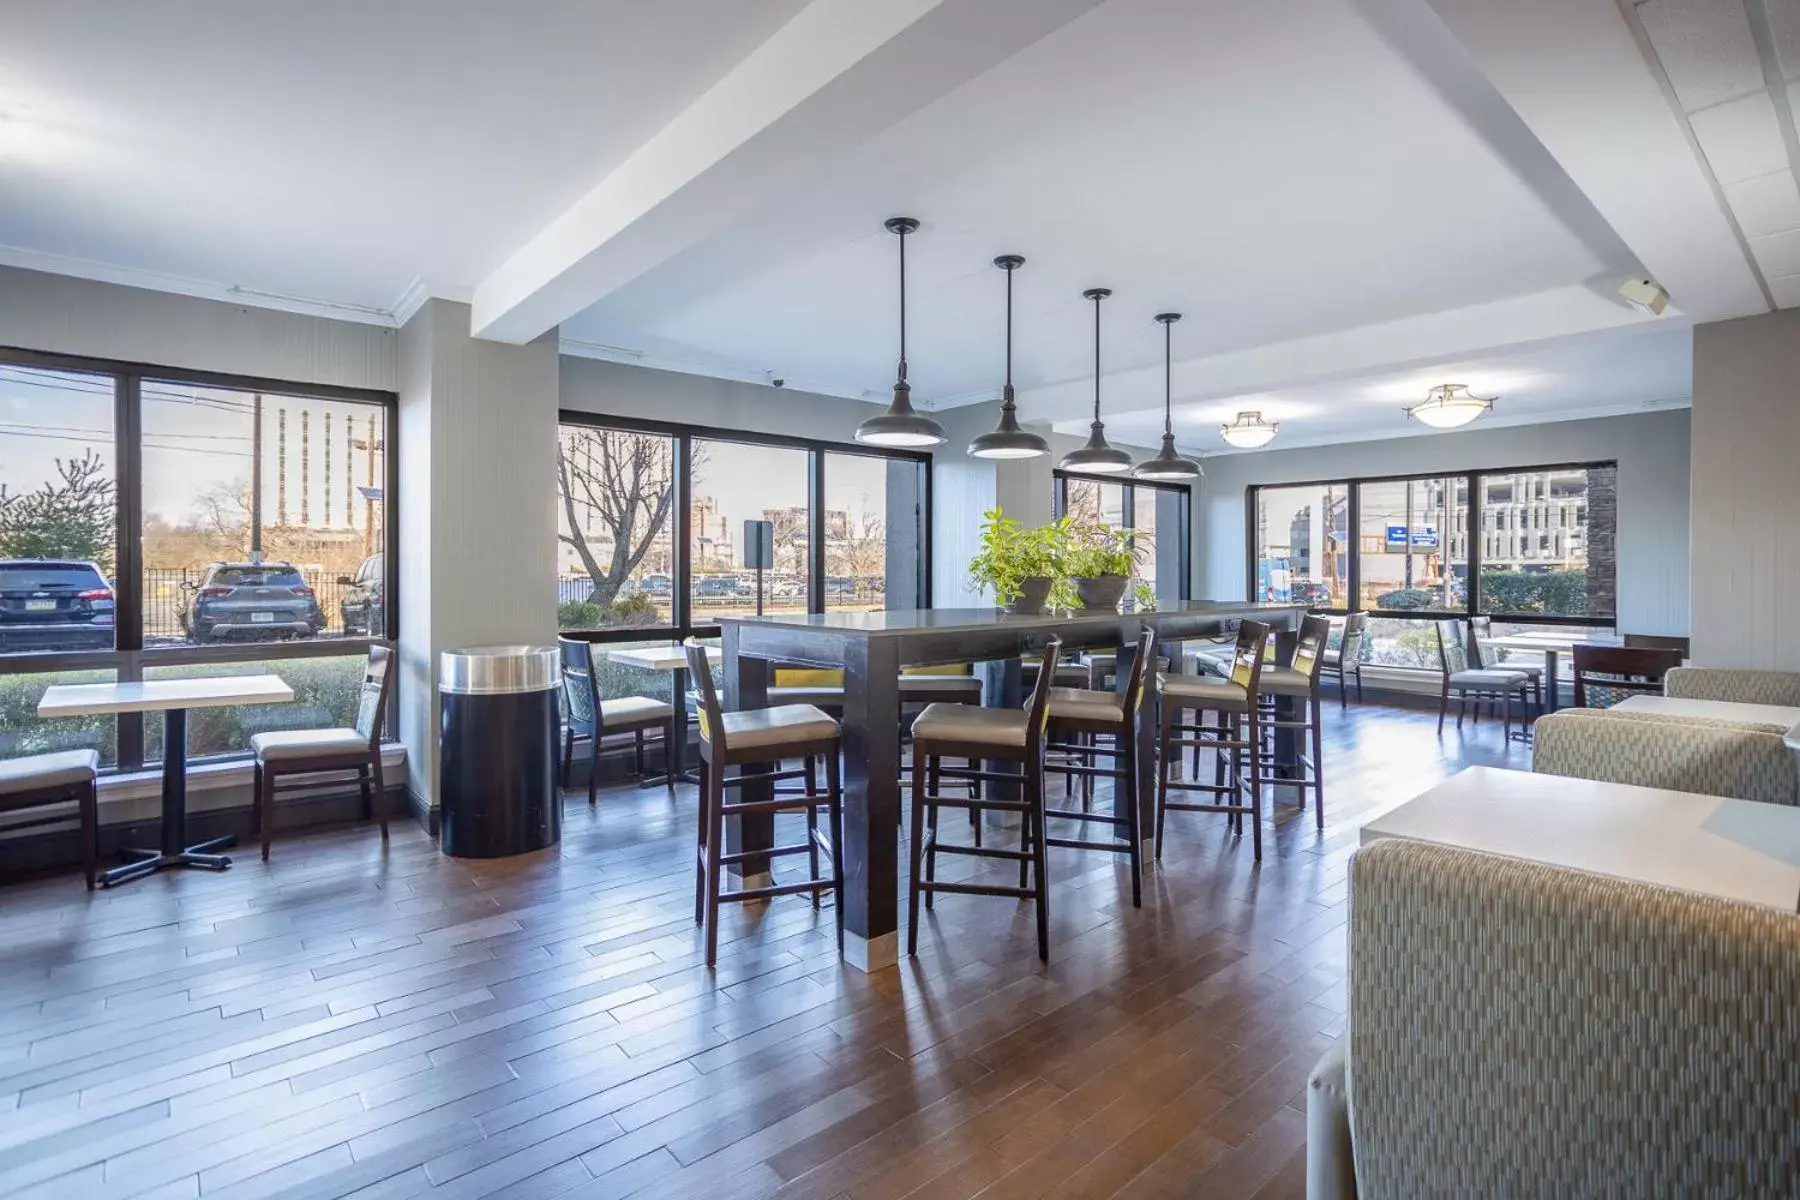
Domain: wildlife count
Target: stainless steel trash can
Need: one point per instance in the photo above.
(497, 765)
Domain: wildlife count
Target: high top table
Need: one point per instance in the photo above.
(870, 648)
(174, 697)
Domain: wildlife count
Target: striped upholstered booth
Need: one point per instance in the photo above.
(1530, 1031)
(1741, 687)
(1683, 754)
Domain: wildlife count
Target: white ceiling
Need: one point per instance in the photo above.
(1348, 199)
(332, 150)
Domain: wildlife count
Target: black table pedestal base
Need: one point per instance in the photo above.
(174, 817)
(148, 862)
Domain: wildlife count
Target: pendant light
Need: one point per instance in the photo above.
(1448, 406)
(1008, 440)
(1249, 431)
(1097, 457)
(1169, 463)
(900, 425)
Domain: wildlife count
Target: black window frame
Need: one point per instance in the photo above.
(681, 624)
(1128, 512)
(129, 658)
(1471, 480)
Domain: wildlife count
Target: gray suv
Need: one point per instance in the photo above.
(258, 602)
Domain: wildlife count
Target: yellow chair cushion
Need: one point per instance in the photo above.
(941, 669)
(809, 677)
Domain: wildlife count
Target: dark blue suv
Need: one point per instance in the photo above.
(54, 604)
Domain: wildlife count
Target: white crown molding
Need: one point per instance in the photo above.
(182, 285)
(421, 290)
(603, 352)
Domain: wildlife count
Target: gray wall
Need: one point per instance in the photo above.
(1651, 450)
(60, 314)
(1746, 468)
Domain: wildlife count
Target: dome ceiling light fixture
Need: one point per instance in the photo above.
(1008, 440)
(901, 425)
(1097, 457)
(1249, 431)
(1449, 406)
(1169, 462)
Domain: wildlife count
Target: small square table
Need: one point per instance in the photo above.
(173, 697)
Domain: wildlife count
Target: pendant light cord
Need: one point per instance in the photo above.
(1168, 372)
(903, 305)
(1097, 300)
(1009, 383)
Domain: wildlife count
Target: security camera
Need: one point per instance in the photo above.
(1645, 295)
(777, 381)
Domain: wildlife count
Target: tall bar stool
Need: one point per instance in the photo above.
(1346, 658)
(1300, 682)
(1092, 715)
(763, 736)
(1235, 735)
(948, 683)
(995, 734)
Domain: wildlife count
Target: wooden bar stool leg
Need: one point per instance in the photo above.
(1318, 757)
(1125, 794)
(1255, 784)
(700, 846)
(87, 800)
(834, 793)
(933, 781)
(1165, 762)
(913, 860)
(669, 757)
(265, 802)
(1034, 790)
(714, 802)
(812, 821)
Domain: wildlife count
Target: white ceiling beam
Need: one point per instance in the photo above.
(1575, 72)
(838, 73)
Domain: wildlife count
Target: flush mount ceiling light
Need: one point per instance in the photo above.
(1097, 457)
(1249, 431)
(1448, 406)
(1169, 463)
(1008, 440)
(900, 425)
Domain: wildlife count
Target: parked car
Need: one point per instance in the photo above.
(715, 587)
(1314, 595)
(364, 607)
(257, 602)
(54, 604)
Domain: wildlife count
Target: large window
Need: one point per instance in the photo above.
(652, 528)
(1156, 513)
(1531, 545)
(156, 523)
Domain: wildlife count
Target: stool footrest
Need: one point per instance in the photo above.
(772, 852)
(980, 851)
(977, 889)
(779, 889)
(1076, 844)
(1076, 815)
(780, 804)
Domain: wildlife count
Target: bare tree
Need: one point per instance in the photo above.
(222, 513)
(863, 552)
(792, 529)
(627, 481)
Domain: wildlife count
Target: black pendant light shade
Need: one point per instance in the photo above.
(901, 425)
(1008, 440)
(1169, 463)
(1097, 457)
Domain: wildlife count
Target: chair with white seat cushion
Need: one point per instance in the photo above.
(1345, 659)
(1485, 657)
(1299, 682)
(1236, 734)
(311, 751)
(763, 737)
(42, 780)
(1471, 683)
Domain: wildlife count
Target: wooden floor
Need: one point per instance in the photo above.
(348, 1022)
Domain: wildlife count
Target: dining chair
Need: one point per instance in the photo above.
(1345, 658)
(1299, 682)
(1607, 675)
(1474, 683)
(1485, 657)
(763, 737)
(43, 780)
(310, 751)
(994, 735)
(1236, 737)
(636, 715)
(1079, 719)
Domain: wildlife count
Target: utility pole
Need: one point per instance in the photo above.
(256, 458)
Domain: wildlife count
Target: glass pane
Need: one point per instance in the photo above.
(1399, 642)
(1303, 545)
(58, 511)
(264, 516)
(736, 482)
(1548, 542)
(873, 543)
(1143, 524)
(617, 680)
(23, 732)
(1408, 544)
(1525, 653)
(615, 563)
(1095, 502)
(326, 691)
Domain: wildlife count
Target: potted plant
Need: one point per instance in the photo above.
(1018, 564)
(1099, 561)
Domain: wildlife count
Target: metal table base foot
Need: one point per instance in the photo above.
(148, 862)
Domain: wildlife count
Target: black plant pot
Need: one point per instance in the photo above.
(1102, 591)
(1033, 592)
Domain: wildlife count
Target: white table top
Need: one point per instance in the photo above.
(1716, 710)
(90, 699)
(660, 658)
(1550, 639)
(1737, 849)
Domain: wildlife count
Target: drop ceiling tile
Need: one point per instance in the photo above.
(1705, 47)
(1767, 204)
(1784, 29)
(1786, 290)
(1741, 138)
(1778, 253)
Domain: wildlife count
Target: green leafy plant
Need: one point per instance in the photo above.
(1095, 550)
(1143, 597)
(1009, 555)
